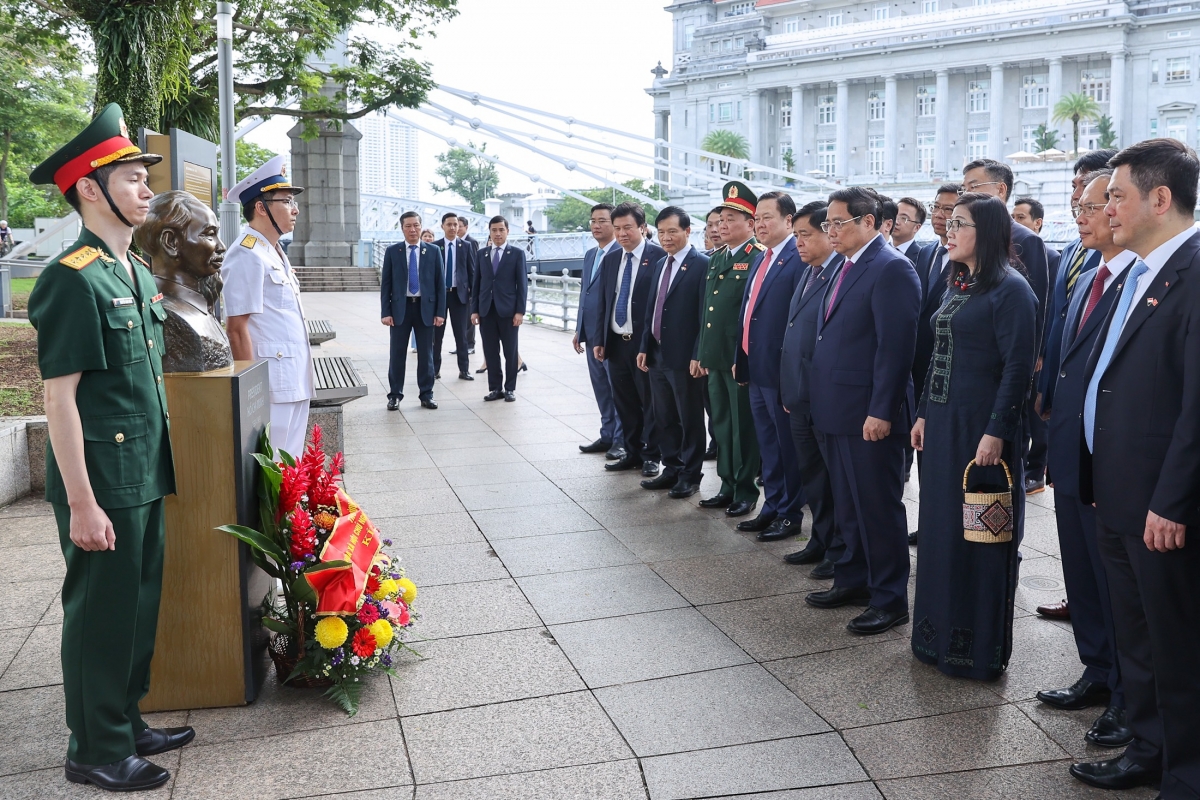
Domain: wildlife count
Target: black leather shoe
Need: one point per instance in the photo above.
(510, 397)
(683, 489)
(471, 351)
(875, 621)
(811, 554)
(711, 453)
(1035, 485)
(393, 403)
(822, 571)
(153, 741)
(437, 376)
(663, 481)
(1110, 729)
(463, 376)
(481, 370)
(624, 462)
(615, 453)
(779, 529)
(759, 523)
(716, 501)
(430, 403)
(740, 509)
(650, 469)
(839, 596)
(132, 774)
(912, 539)
(598, 446)
(1115, 773)
(758, 481)
(523, 368)
(1082, 694)
(496, 395)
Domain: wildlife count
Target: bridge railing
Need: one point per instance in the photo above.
(553, 300)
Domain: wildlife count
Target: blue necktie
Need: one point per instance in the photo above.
(449, 265)
(623, 295)
(1110, 344)
(596, 264)
(414, 278)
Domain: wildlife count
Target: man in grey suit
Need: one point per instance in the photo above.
(591, 302)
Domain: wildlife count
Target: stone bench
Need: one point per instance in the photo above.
(320, 331)
(337, 382)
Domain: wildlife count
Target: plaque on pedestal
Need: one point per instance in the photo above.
(210, 646)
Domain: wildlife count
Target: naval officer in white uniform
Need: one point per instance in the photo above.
(264, 317)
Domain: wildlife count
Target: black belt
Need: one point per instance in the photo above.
(416, 299)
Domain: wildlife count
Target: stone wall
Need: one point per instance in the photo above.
(14, 460)
(327, 228)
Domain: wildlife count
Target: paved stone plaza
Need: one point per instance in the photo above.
(583, 638)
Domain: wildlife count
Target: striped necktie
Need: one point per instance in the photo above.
(1075, 268)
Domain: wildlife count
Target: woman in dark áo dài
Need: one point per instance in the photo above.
(971, 409)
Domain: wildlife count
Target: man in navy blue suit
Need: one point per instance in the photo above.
(764, 315)
(1087, 585)
(590, 305)
(412, 287)
(498, 308)
(862, 400)
(799, 338)
(459, 256)
(668, 355)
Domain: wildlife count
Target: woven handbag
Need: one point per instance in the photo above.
(988, 516)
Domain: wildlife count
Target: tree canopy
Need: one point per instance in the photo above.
(1075, 108)
(725, 143)
(471, 177)
(572, 214)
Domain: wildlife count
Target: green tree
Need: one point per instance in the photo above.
(471, 177)
(571, 214)
(725, 143)
(1044, 138)
(1076, 107)
(789, 160)
(1106, 136)
(250, 157)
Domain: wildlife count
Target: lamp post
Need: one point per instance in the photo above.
(229, 210)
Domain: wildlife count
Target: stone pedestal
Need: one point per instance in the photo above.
(327, 230)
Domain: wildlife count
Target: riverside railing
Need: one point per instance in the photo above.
(553, 300)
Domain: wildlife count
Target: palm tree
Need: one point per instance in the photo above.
(725, 143)
(1076, 107)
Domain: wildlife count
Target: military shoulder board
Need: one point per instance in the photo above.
(80, 258)
(759, 246)
(249, 241)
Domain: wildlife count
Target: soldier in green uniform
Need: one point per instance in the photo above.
(99, 320)
(733, 429)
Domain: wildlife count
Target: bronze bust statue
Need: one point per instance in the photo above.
(181, 238)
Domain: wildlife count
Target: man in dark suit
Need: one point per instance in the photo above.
(464, 226)
(1141, 466)
(769, 288)
(910, 216)
(412, 287)
(668, 355)
(459, 256)
(616, 334)
(1087, 585)
(498, 308)
(862, 400)
(799, 338)
(591, 300)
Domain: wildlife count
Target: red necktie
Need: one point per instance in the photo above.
(1102, 274)
(841, 277)
(758, 282)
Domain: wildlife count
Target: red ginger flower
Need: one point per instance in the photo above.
(304, 538)
(293, 487)
(363, 643)
(368, 613)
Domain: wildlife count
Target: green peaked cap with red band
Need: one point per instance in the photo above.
(737, 195)
(105, 141)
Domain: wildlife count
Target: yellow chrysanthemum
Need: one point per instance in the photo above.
(381, 629)
(387, 588)
(332, 632)
(408, 590)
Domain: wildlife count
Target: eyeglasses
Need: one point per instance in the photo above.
(904, 219)
(958, 224)
(1087, 209)
(964, 189)
(290, 202)
(838, 223)
(934, 208)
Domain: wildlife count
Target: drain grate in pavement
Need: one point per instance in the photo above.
(1041, 583)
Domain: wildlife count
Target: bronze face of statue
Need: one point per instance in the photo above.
(181, 238)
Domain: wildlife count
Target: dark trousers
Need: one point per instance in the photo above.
(631, 393)
(1156, 614)
(411, 324)
(868, 505)
(458, 317)
(737, 446)
(712, 435)
(1037, 431)
(814, 476)
(610, 424)
(110, 618)
(1087, 589)
(678, 401)
(496, 332)
(783, 493)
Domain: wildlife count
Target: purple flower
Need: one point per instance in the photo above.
(386, 660)
(336, 658)
(297, 566)
(387, 542)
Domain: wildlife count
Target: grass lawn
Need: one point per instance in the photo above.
(20, 380)
(21, 287)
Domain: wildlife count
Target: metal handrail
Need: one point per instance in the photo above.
(553, 300)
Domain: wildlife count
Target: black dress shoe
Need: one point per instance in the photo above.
(624, 462)
(759, 523)
(779, 529)
(393, 403)
(839, 596)
(912, 539)
(598, 446)
(740, 509)
(1082, 694)
(437, 376)
(496, 395)
(471, 351)
(711, 453)
(716, 501)
(1111, 729)
(430, 403)
(615, 453)
(650, 469)
(129, 775)
(663, 481)
(1035, 485)
(811, 554)
(875, 621)
(683, 489)
(510, 397)
(153, 741)
(758, 481)
(822, 571)
(481, 370)
(1115, 773)
(464, 376)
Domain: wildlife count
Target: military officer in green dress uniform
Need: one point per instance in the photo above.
(733, 429)
(99, 320)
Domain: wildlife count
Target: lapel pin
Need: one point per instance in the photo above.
(1152, 302)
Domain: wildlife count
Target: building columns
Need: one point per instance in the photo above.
(1116, 101)
(996, 113)
(1055, 81)
(843, 128)
(891, 115)
(798, 128)
(754, 128)
(661, 134)
(941, 123)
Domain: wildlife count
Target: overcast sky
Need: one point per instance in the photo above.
(583, 58)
